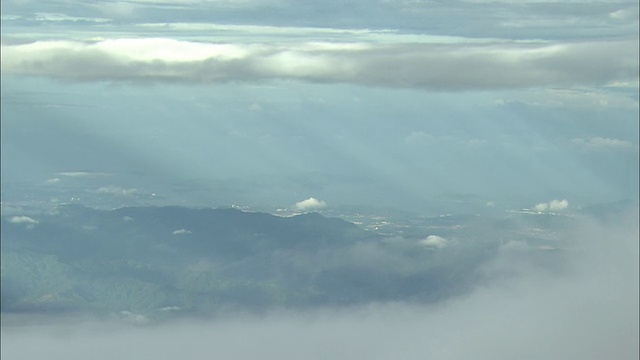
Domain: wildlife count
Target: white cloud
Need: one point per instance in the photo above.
(542, 207)
(23, 220)
(553, 205)
(310, 204)
(556, 205)
(181, 232)
(453, 66)
(434, 241)
(116, 191)
(52, 181)
(127, 218)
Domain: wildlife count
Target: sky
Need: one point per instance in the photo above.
(427, 106)
(415, 105)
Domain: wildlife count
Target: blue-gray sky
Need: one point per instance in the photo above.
(268, 103)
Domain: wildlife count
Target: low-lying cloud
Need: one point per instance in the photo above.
(455, 66)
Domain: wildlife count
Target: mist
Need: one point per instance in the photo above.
(586, 310)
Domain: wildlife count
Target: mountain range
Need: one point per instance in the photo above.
(160, 262)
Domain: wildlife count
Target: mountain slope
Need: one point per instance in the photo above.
(168, 261)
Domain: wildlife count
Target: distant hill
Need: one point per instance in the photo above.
(157, 262)
(173, 233)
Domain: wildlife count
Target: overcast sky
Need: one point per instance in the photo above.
(384, 103)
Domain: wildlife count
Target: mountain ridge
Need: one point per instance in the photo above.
(164, 262)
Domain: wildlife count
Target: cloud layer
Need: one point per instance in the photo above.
(451, 66)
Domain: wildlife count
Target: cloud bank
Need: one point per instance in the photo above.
(449, 66)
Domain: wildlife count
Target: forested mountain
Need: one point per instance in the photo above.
(158, 262)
